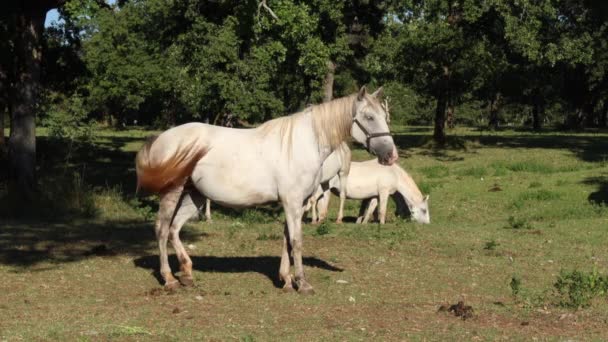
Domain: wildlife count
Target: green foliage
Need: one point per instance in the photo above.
(68, 120)
(518, 223)
(163, 62)
(324, 228)
(576, 288)
(515, 285)
(491, 245)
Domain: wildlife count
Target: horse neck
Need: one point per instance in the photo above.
(408, 188)
(332, 121)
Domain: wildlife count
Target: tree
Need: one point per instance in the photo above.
(24, 21)
(437, 48)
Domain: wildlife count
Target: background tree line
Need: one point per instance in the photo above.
(163, 62)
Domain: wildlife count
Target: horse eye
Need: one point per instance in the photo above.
(369, 117)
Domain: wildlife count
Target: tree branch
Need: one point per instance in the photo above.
(265, 6)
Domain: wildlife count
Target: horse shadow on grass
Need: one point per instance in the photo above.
(265, 265)
(28, 244)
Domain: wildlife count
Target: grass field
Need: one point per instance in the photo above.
(512, 213)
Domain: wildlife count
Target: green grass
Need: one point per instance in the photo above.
(510, 211)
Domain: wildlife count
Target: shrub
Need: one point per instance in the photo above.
(68, 120)
(323, 229)
(577, 288)
(518, 223)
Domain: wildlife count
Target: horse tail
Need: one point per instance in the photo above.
(159, 177)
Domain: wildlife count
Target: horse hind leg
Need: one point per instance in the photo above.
(168, 203)
(187, 209)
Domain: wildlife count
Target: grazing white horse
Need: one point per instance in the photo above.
(277, 161)
(370, 180)
(336, 165)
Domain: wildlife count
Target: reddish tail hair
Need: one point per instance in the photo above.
(160, 177)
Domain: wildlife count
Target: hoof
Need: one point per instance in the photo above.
(186, 281)
(339, 221)
(306, 290)
(172, 285)
(288, 289)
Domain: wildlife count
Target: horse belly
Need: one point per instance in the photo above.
(234, 185)
(361, 191)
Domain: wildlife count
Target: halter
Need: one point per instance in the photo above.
(369, 135)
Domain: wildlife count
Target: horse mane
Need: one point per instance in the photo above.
(332, 122)
(409, 182)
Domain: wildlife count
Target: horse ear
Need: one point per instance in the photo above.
(426, 198)
(361, 94)
(378, 93)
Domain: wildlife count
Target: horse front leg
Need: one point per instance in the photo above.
(293, 215)
(284, 272)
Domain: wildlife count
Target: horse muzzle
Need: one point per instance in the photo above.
(389, 157)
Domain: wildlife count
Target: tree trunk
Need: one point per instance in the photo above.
(4, 88)
(2, 140)
(22, 143)
(442, 105)
(494, 105)
(439, 132)
(450, 112)
(603, 119)
(328, 82)
(538, 111)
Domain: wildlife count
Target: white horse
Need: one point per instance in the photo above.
(370, 180)
(336, 165)
(277, 161)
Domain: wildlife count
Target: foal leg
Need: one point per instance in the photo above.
(373, 203)
(323, 205)
(208, 211)
(342, 196)
(312, 206)
(362, 210)
(383, 202)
